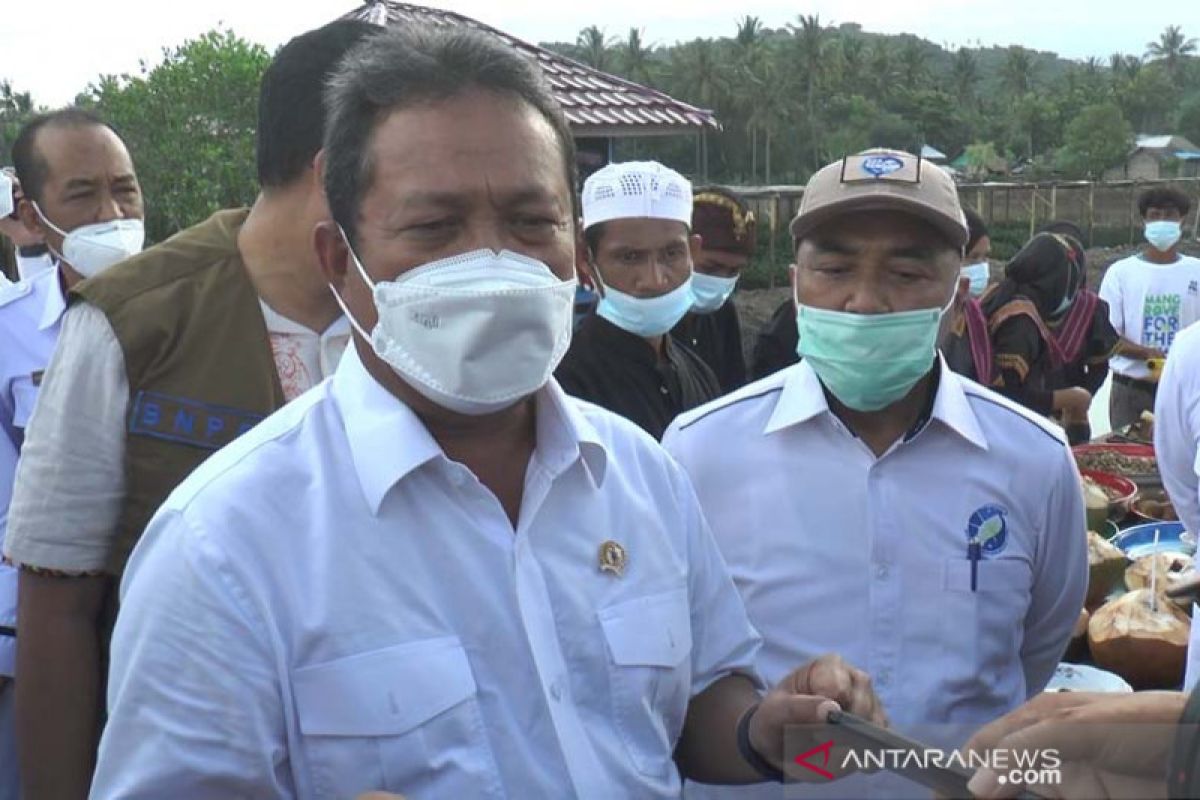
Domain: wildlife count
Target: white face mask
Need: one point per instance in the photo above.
(91, 249)
(1163, 234)
(474, 333)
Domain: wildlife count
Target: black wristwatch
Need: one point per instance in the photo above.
(749, 754)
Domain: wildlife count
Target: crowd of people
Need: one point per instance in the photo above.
(344, 492)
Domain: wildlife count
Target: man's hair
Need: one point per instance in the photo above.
(976, 228)
(291, 114)
(592, 237)
(31, 165)
(402, 68)
(1164, 197)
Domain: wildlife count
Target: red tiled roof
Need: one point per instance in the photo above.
(595, 102)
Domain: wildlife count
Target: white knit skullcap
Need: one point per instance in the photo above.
(636, 189)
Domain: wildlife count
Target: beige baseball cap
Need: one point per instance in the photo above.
(882, 180)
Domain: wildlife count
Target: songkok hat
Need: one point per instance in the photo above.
(722, 220)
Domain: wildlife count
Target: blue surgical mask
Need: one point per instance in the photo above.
(710, 292)
(646, 316)
(869, 361)
(1163, 234)
(978, 273)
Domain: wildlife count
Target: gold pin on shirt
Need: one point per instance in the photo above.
(612, 558)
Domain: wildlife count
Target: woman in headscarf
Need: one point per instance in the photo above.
(1050, 335)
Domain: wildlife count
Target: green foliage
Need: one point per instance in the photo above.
(15, 108)
(797, 97)
(1096, 139)
(189, 123)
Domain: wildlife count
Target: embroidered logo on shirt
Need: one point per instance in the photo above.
(990, 524)
(185, 421)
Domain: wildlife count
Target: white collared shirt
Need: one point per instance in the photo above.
(835, 550)
(1177, 427)
(330, 605)
(30, 319)
(1177, 447)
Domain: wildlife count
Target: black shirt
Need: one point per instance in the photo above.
(717, 338)
(775, 347)
(620, 371)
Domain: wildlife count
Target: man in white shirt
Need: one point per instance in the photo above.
(871, 502)
(29, 247)
(80, 177)
(161, 360)
(453, 580)
(1177, 446)
(1151, 297)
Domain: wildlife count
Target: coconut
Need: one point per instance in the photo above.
(1146, 646)
(1077, 647)
(1173, 567)
(1096, 502)
(1106, 563)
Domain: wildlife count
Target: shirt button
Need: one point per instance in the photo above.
(664, 390)
(881, 571)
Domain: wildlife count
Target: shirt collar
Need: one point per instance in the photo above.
(55, 302)
(278, 323)
(388, 441)
(803, 398)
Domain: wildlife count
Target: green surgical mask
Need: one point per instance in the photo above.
(869, 361)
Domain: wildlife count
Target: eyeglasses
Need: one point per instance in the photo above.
(871, 167)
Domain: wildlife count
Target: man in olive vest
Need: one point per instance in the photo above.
(162, 360)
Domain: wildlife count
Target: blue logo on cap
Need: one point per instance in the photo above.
(990, 525)
(881, 165)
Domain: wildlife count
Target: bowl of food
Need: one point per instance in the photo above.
(1133, 461)
(1106, 496)
(1153, 505)
(1138, 540)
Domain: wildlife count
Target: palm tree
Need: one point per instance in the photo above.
(637, 58)
(810, 45)
(912, 63)
(1017, 74)
(595, 47)
(1172, 47)
(750, 32)
(964, 75)
(882, 70)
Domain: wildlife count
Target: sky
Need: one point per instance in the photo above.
(54, 50)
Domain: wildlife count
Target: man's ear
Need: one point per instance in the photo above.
(794, 277)
(30, 218)
(583, 265)
(332, 253)
(696, 246)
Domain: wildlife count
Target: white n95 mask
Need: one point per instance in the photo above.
(91, 249)
(474, 333)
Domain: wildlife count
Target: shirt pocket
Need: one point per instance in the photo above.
(25, 396)
(403, 719)
(649, 644)
(992, 617)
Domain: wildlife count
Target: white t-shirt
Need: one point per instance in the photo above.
(1150, 303)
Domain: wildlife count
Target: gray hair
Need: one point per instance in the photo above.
(401, 68)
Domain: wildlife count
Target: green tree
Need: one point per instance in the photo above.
(15, 109)
(189, 123)
(1096, 139)
(1171, 48)
(595, 48)
(637, 58)
(1187, 118)
(1019, 71)
(810, 40)
(980, 159)
(913, 63)
(964, 76)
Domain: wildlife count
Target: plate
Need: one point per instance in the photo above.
(1084, 678)
(1138, 541)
